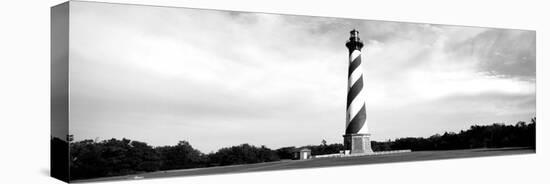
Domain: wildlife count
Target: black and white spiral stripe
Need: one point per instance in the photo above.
(356, 113)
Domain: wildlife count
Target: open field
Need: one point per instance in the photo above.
(327, 162)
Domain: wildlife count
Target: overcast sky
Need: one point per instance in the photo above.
(218, 78)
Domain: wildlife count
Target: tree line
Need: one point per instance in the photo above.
(113, 157)
(497, 135)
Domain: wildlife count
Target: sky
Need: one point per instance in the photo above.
(221, 78)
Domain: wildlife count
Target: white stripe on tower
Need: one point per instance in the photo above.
(356, 121)
(356, 73)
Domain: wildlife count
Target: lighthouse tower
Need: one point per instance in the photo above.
(357, 137)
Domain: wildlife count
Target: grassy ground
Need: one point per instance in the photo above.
(327, 162)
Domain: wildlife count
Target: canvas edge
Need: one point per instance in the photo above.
(59, 88)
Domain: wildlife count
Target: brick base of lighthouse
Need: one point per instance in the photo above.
(357, 143)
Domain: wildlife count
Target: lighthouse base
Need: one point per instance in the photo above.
(357, 143)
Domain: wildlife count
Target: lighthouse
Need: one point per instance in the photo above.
(357, 137)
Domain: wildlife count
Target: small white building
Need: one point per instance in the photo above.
(302, 154)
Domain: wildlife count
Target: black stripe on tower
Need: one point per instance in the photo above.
(357, 122)
(355, 90)
(354, 64)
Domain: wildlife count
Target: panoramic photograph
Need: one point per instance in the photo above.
(170, 92)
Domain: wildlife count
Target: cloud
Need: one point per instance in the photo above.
(216, 78)
(510, 53)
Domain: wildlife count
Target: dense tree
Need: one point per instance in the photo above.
(286, 152)
(485, 136)
(180, 156)
(324, 149)
(242, 154)
(111, 157)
